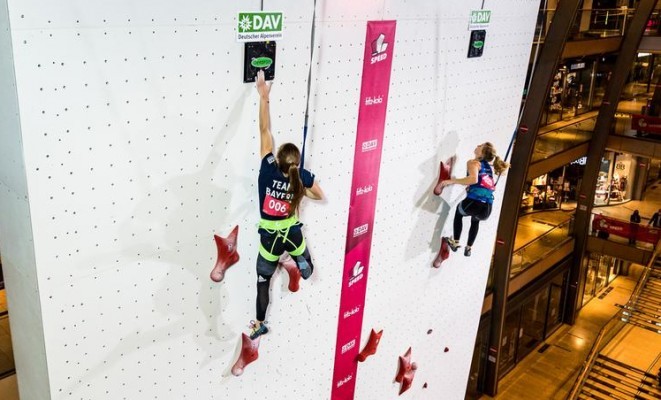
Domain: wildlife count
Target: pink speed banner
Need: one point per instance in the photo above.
(377, 65)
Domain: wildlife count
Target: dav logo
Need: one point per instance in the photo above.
(369, 145)
(349, 346)
(361, 230)
(356, 274)
(379, 47)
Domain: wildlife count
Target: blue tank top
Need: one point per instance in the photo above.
(482, 191)
(273, 186)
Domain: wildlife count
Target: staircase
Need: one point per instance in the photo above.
(647, 310)
(611, 379)
(604, 378)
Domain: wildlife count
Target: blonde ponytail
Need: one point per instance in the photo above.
(499, 165)
(296, 189)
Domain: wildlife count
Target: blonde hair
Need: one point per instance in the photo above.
(288, 159)
(489, 154)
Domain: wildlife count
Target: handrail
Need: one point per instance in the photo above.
(538, 238)
(608, 328)
(518, 269)
(652, 365)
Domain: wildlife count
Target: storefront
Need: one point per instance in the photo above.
(616, 175)
(601, 271)
(533, 315)
(550, 191)
(578, 86)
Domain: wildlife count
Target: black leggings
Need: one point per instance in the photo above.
(265, 268)
(477, 210)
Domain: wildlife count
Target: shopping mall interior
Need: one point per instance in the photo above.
(572, 307)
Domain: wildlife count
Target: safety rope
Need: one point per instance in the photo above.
(307, 99)
(532, 71)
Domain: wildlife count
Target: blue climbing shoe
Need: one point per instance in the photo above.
(304, 267)
(257, 331)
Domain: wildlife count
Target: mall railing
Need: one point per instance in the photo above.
(611, 329)
(564, 138)
(603, 227)
(526, 256)
(602, 22)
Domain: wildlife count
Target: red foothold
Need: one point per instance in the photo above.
(294, 273)
(424, 386)
(227, 254)
(370, 347)
(443, 253)
(444, 174)
(249, 353)
(406, 371)
(446, 350)
(429, 332)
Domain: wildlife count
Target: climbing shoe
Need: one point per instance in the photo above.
(467, 251)
(454, 245)
(257, 331)
(304, 267)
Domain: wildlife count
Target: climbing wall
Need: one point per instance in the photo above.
(140, 142)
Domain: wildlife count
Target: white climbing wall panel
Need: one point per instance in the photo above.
(140, 141)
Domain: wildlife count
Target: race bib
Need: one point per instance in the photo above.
(487, 182)
(275, 207)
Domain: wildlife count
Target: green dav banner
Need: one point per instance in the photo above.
(479, 19)
(259, 26)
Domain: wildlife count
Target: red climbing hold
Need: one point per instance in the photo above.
(370, 347)
(443, 253)
(406, 371)
(444, 174)
(248, 354)
(290, 266)
(227, 254)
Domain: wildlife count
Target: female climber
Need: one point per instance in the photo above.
(479, 197)
(282, 185)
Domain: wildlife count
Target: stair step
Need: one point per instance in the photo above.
(631, 379)
(645, 320)
(645, 312)
(644, 326)
(631, 390)
(620, 364)
(598, 392)
(647, 291)
(651, 288)
(648, 305)
(608, 389)
(649, 299)
(586, 396)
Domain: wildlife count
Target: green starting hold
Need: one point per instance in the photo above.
(261, 62)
